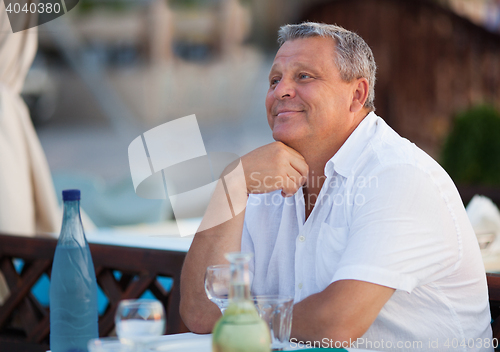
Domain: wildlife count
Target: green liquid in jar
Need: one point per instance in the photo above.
(241, 329)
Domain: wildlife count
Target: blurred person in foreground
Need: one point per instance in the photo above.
(366, 231)
(28, 203)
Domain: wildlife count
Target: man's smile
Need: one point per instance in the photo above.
(287, 113)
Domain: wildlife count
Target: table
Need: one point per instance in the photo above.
(140, 260)
(189, 342)
(163, 236)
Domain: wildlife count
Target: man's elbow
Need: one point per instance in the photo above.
(343, 336)
(196, 320)
(330, 332)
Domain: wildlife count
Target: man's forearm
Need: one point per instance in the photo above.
(208, 248)
(342, 312)
(286, 169)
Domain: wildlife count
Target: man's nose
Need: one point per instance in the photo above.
(284, 89)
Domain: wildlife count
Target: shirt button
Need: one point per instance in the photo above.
(300, 286)
(302, 238)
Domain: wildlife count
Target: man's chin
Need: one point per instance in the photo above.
(280, 137)
(285, 139)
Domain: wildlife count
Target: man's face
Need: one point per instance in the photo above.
(307, 102)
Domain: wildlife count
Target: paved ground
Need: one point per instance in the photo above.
(84, 149)
(79, 137)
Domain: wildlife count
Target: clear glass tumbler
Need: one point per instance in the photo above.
(276, 311)
(217, 282)
(139, 322)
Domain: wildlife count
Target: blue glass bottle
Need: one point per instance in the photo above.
(73, 288)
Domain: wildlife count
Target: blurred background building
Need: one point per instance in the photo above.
(110, 70)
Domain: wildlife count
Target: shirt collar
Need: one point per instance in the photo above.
(345, 158)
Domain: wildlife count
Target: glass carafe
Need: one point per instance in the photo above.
(240, 329)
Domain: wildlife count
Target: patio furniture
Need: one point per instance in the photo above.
(494, 296)
(24, 321)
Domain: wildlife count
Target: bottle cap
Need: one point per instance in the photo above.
(71, 194)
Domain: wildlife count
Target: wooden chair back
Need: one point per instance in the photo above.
(494, 297)
(24, 322)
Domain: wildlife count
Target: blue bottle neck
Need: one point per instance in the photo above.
(72, 233)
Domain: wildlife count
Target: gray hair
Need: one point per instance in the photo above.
(354, 58)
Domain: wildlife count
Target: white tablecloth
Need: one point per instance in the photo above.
(190, 342)
(158, 236)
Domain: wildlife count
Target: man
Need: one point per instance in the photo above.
(362, 228)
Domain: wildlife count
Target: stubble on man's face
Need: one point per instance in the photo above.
(307, 98)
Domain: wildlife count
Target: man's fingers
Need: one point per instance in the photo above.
(274, 166)
(300, 166)
(289, 149)
(293, 182)
(296, 160)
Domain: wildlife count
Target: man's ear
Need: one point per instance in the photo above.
(360, 95)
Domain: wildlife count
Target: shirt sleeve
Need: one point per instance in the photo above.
(403, 233)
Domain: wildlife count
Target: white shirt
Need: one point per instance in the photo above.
(387, 214)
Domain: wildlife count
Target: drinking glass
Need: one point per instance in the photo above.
(139, 322)
(217, 282)
(276, 311)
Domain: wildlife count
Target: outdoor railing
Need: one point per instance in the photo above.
(24, 321)
(121, 272)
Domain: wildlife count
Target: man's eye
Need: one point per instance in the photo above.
(274, 81)
(304, 76)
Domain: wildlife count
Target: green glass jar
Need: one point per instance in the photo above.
(240, 329)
